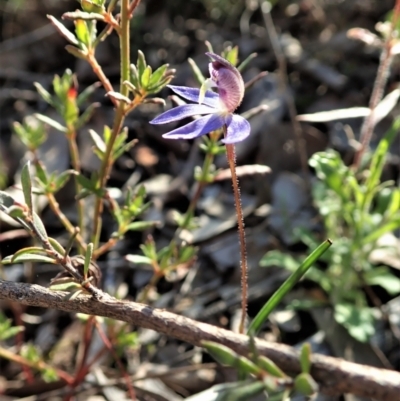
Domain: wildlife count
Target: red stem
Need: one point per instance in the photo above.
(110, 347)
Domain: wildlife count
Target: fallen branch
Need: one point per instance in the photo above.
(335, 376)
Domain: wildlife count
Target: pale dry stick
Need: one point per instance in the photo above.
(382, 75)
(284, 84)
(335, 376)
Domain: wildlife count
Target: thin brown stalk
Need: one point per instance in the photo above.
(55, 207)
(91, 59)
(133, 7)
(117, 359)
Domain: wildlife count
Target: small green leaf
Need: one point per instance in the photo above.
(125, 148)
(49, 375)
(330, 169)
(49, 121)
(200, 78)
(11, 332)
(31, 132)
(158, 74)
(16, 212)
(84, 16)
(141, 64)
(141, 225)
(153, 89)
(238, 391)
(41, 174)
(232, 55)
(130, 86)
(119, 96)
(43, 93)
(88, 259)
(98, 141)
(379, 158)
(82, 32)
(359, 321)
(270, 367)
(63, 31)
(27, 185)
(62, 179)
(139, 259)
(391, 225)
(28, 251)
(135, 77)
(65, 284)
(383, 277)
(305, 384)
(289, 283)
(57, 246)
(76, 52)
(86, 115)
(85, 182)
(86, 93)
(7, 330)
(39, 227)
(92, 6)
(186, 254)
(145, 78)
(29, 258)
(228, 357)
(246, 62)
(280, 259)
(305, 358)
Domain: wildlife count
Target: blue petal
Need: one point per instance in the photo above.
(238, 129)
(210, 99)
(180, 112)
(202, 126)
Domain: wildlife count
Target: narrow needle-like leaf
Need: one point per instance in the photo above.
(294, 278)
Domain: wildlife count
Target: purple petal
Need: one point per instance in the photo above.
(180, 112)
(238, 129)
(202, 126)
(210, 99)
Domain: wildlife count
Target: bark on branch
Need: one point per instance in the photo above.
(335, 376)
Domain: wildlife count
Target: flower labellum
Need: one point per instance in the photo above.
(216, 108)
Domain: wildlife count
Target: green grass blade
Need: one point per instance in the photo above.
(272, 303)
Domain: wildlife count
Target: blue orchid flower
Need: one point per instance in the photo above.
(216, 108)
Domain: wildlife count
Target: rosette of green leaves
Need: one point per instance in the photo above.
(67, 102)
(31, 132)
(85, 39)
(143, 81)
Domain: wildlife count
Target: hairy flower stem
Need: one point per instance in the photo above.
(231, 156)
(107, 162)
